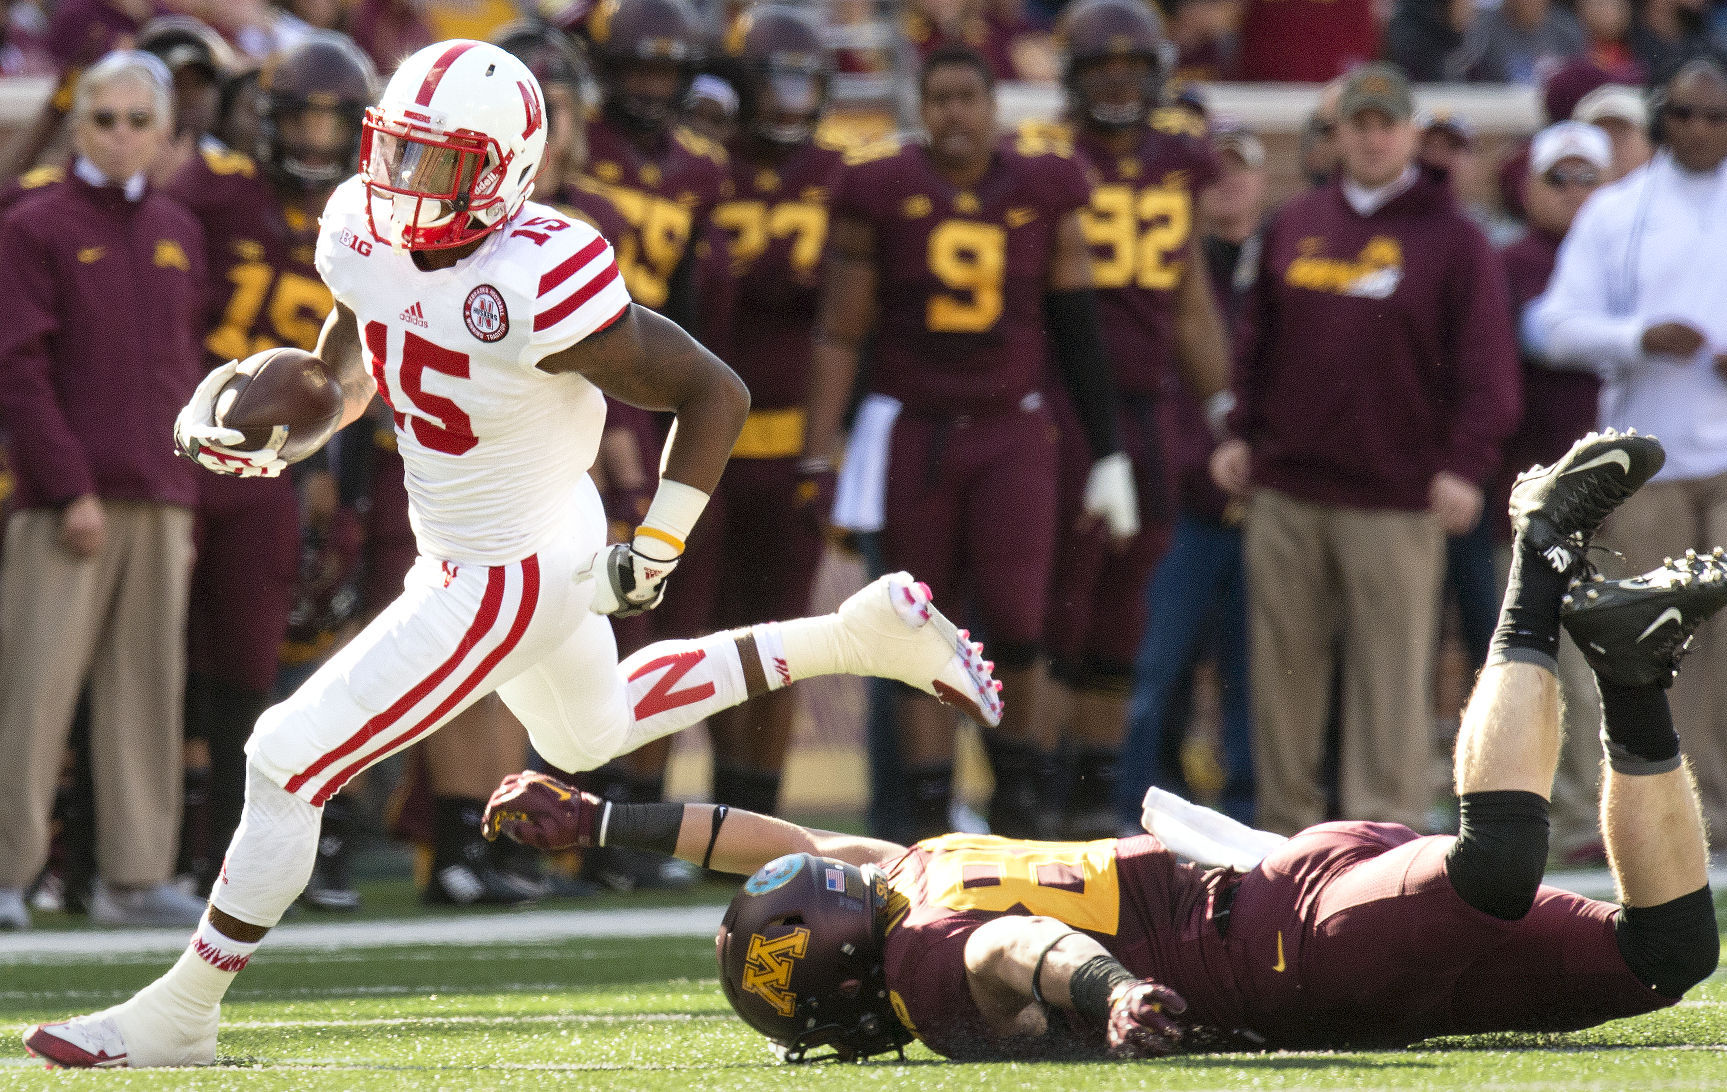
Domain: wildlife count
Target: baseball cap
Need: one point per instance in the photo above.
(1568, 140)
(1612, 101)
(1446, 121)
(1376, 87)
(1232, 136)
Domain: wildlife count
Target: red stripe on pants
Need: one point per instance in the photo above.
(483, 622)
(524, 615)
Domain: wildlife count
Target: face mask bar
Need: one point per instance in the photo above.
(442, 187)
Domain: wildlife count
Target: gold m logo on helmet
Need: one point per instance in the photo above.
(768, 968)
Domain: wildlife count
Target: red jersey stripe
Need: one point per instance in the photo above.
(567, 267)
(549, 318)
(524, 614)
(482, 624)
(436, 74)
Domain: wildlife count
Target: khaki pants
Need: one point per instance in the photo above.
(1662, 520)
(1372, 577)
(116, 621)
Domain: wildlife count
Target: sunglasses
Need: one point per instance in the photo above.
(1686, 113)
(139, 120)
(1581, 177)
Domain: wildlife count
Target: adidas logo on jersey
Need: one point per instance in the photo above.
(414, 316)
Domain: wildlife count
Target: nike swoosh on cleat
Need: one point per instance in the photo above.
(1614, 456)
(1671, 614)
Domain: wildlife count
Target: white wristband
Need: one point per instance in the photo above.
(670, 519)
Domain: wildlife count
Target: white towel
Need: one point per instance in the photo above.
(860, 494)
(1204, 836)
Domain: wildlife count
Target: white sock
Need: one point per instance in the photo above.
(205, 970)
(803, 648)
(674, 684)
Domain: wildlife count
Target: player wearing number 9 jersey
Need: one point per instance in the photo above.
(962, 253)
(260, 218)
(492, 326)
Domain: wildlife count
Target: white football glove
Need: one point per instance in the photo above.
(626, 582)
(1110, 496)
(199, 438)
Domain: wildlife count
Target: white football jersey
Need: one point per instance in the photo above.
(494, 447)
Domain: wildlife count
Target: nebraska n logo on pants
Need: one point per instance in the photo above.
(461, 631)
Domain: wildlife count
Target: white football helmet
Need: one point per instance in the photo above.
(453, 146)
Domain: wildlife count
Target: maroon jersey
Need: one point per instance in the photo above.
(1130, 894)
(776, 226)
(961, 274)
(665, 199)
(264, 291)
(1349, 934)
(1139, 224)
(586, 200)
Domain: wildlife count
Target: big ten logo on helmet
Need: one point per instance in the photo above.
(768, 968)
(362, 247)
(485, 314)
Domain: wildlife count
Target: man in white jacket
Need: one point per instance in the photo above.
(1639, 297)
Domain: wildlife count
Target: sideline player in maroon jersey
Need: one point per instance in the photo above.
(1161, 327)
(260, 219)
(765, 279)
(972, 251)
(1348, 935)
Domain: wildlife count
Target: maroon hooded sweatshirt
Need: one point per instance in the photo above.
(103, 301)
(1375, 351)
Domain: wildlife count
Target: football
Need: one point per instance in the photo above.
(282, 388)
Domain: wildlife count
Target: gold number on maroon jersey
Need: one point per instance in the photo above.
(650, 253)
(1076, 882)
(967, 257)
(752, 225)
(1137, 237)
(296, 311)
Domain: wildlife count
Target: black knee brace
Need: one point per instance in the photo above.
(1670, 947)
(1500, 853)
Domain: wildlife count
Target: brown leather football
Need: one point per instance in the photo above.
(287, 388)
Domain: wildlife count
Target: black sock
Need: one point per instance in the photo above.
(1673, 946)
(931, 791)
(747, 788)
(1528, 629)
(456, 836)
(1022, 787)
(1637, 729)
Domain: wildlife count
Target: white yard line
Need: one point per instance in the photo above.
(532, 926)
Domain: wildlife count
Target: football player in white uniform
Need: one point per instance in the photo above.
(491, 325)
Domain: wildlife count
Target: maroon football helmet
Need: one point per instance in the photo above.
(800, 952)
(325, 74)
(1102, 31)
(629, 35)
(784, 73)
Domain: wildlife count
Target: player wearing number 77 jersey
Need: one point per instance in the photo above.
(492, 326)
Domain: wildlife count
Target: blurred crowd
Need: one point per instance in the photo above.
(1303, 416)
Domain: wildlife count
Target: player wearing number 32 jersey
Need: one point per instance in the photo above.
(493, 327)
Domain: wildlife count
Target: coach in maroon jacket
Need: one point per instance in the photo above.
(101, 281)
(1377, 380)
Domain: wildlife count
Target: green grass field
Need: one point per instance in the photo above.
(623, 1014)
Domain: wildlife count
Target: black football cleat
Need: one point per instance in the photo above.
(1634, 631)
(1559, 508)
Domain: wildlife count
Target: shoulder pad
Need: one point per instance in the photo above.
(696, 144)
(1179, 122)
(38, 177)
(228, 161)
(870, 151)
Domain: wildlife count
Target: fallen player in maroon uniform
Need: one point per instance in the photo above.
(1348, 934)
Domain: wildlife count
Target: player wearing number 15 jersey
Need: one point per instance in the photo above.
(260, 218)
(492, 327)
(969, 250)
